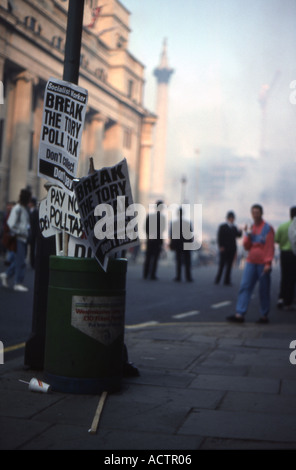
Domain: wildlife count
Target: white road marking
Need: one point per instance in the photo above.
(186, 314)
(221, 304)
(142, 325)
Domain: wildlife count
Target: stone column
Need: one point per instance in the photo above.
(22, 128)
(36, 181)
(163, 73)
(113, 144)
(97, 131)
(94, 144)
(144, 179)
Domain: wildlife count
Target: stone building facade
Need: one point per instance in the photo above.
(32, 42)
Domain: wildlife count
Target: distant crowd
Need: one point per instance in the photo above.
(259, 241)
(21, 221)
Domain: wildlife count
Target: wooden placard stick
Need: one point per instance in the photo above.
(65, 243)
(58, 245)
(91, 166)
(98, 413)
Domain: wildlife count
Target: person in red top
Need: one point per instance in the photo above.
(259, 242)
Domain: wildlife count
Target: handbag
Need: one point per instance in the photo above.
(9, 241)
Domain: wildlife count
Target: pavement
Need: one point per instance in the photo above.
(201, 386)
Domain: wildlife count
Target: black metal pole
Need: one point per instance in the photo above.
(35, 346)
(73, 41)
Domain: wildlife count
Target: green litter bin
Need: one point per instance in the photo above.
(85, 325)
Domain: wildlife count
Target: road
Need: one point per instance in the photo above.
(147, 301)
(167, 301)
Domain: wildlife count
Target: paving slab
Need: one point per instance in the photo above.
(229, 370)
(211, 443)
(258, 403)
(288, 387)
(65, 437)
(14, 432)
(287, 371)
(242, 384)
(240, 425)
(201, 386)
(164, 395)
(25, 404)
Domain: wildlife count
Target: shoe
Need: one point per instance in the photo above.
(263, 320)
(20, 288)
(235, 319)
(3, 277)
(129, 370)
(280, 303)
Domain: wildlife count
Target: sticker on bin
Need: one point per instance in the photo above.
(101, 318)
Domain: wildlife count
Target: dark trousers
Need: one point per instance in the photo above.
(288, 277)
(151, 260)
(183, 257)
(225, 261)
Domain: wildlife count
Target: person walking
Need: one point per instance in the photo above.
(259, 242)
(180, 233)
(154, 227)
(19, 224)
(226, 239)
(287, 263)
(8, 242)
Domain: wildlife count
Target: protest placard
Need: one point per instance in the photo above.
(103, 199)
(62, 125)
(46, 229)
(63, 212)
(79, 248)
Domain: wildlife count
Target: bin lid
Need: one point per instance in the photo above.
(71, 264)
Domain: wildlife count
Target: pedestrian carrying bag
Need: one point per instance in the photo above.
(9, 241)
(8, 238)
(292, 234)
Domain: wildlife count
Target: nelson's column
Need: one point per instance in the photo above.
(162, 74)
